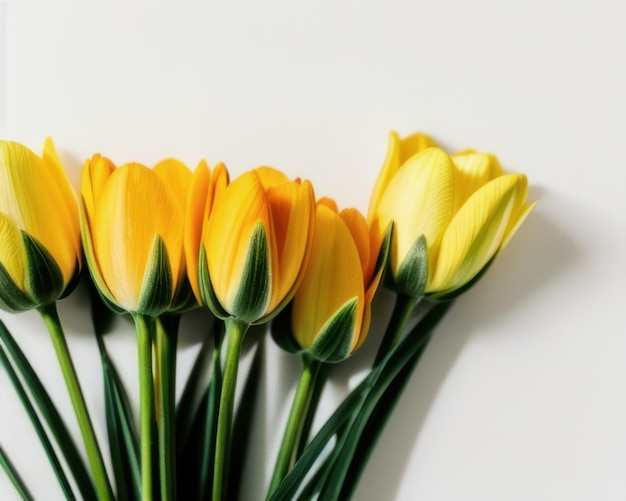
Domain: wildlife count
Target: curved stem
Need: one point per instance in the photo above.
(144, 326)
(235, 333)
(53, 324)
(166, 339)
(297, 417)
(401, 312)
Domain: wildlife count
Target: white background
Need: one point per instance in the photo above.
(522, 393)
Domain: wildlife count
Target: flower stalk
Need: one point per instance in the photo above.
(235, 333)
(145, 327)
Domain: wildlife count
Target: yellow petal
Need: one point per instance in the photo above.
(398, 152)
(12, 251)
(419, 200)
(292, 206)
(96, 173)
(53, 162)
(475, 233)
(473, 170)
(271, 177)
(133, 207)
(332, 277)
(330, 203)
(242, 205)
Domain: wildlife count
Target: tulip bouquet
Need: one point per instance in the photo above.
(259, 250)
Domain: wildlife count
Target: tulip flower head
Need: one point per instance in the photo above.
(40, 253)
(451, 215)
(132, 221)
(330, 314)
(255, 244)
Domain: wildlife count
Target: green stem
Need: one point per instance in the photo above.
(14, 477)
(297, 417)
(144, 326)
(235, 333)
(53, 324)
(401, 312)
(166, 339)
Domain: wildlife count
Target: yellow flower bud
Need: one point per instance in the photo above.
(132, 221)
(255, 244)
(419, 201)
(40, 254)
(331, 310)
(451, 215)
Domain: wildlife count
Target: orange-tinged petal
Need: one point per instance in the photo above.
(292, 206)
(194, 220)
(475, 233)
(133, 207)
(419, 200)
(176, 176)
(332, 277)
(357, 225)
(242, 205)
(330, 203)
(398, 152)
(271, 177)
(205, 187)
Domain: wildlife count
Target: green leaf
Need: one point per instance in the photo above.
(51, 415)
(14, 477)
(44, 279)
(242, 427)
(196, 457)
(188, 405)
(412, 275)
(389, 368)
(254, 291)
(157, 286)
(335, 337)
(34, 419)
(12, 298)
(123, 442)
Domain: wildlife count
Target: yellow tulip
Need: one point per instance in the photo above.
(206, 188)
(40, 254)
(255, 245)
(132, 221)
(419, 201)
(451, 216)
(331, 310)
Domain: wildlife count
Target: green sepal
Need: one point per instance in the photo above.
(156, 289)
(282, 333)
(254, 291)
(412, 275)
(334, 340)
(44, 279)
(12, 298)
(382, 259)
(206, 289)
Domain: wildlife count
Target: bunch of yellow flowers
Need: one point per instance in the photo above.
(261, 248)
